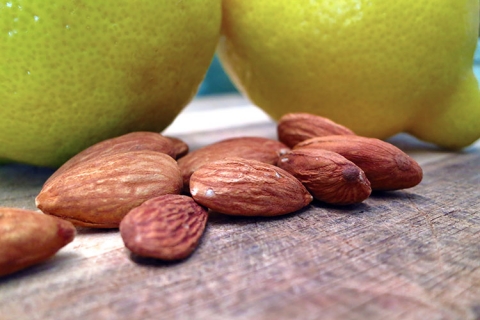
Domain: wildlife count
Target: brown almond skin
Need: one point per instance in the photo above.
(134, 141)
(294, 128)
(243, 187)
(98, 193)
(386, 166)
(180, 147)
(254, 148)
(28, 238)
(328, 176)
(167, 227)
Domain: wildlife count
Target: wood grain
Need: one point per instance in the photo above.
(412, 254)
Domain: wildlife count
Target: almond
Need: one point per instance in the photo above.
(254, 148)
(386, 166)
(99, 192)
(293, 128)
(134, 141)
(328, 176)
(28, 238)
(179, 146)
(167, 227)
(243, 187)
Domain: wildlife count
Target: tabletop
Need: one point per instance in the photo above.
(409, 254)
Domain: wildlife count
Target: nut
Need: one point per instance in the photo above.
(243, 187)
(328, 176)
(386, 166)
(254, 148)
(179, 146)
(167, 227)
(99, 192)
(28, 238)
(293, 128)
(134, 141)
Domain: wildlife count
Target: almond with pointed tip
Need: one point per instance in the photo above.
(180, 147)
(386, 166)
(328, 176)
(28, 238)
(99, 193)
(134, 141)
(293, 128)
(254, 148)
(244, 187)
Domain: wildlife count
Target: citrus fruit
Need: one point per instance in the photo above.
(378, 67)
(75, 72)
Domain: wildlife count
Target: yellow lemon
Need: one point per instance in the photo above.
(379, 67)
(74, 72)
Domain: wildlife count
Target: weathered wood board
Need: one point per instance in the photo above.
(412, 254)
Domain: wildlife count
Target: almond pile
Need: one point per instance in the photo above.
(159, 194)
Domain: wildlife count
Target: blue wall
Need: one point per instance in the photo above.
(216, 81)
(476, 61)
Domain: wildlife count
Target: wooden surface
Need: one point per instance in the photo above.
(412, 254)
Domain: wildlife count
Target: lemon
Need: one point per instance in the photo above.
(74, 72)
(378, 67)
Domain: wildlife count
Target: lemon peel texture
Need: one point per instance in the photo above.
(378, 67)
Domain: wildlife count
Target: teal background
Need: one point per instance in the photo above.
(216, 81)
(476, 61)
